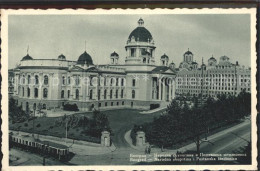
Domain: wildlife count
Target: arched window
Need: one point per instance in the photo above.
(62, 94)
(77, 94)
(46, 80)
(68, 93)
(133, 82)
(105, 94)
(90, 94)
(35, 92)
(36, 79)
(29, 79)
(68, 81)
(28, 92)
(34, 106)
(63, 80)
(45, 93)
(122, 81)
(111, 94)
(23, 91)
(122, 93)
(116, 93)
(133, 94)
(23, 81)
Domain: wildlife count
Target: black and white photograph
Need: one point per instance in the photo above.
(172, 88)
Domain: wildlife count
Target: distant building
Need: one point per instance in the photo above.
(212, 79)
(10, 81)
(136, 84)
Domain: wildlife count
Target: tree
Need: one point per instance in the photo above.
(15, 112)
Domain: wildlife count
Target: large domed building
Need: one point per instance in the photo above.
(138, 83)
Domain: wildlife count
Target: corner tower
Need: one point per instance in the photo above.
(140, 47)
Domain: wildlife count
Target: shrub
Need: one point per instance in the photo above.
(38, 125)
(154, 106)
(70, 107)
(51, 127)
(25, 124)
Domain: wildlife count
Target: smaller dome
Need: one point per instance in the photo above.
(194, 63)
(164, 57)
(188, 53)
(85, 58)
(212, 58)
(224, 58)
(61, 57)
(27, 57)
(114, 54)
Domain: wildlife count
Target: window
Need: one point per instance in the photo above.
(133, 94)
(35, 92)
(99, 104)
(46, 80)
(68, 93)
(44, 106)
(132, 52)
(116, 81)
(117, 103)
(105, 94)
(45, 93)
(23, 91)
(122, 81)
(123, 103)
(133, 82)
(36, 79)
(105, 103)
(98, 94)
(28, 92)
(122, 93)
(112, 103)
(63, 80)
(29, 79)
(90, 94)
(68, 81)
(111, 94)
(62, 94)
(77, 80)
(77, 94)
(143, 51)
(116, 93)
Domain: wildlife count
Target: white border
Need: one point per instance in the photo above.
(4, 90)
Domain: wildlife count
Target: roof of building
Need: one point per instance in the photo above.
(114, 54)
(212, 58)
(61, 57)
(141, 34)
(85, 58)
(164, 56)
(161, 69)
(194, 63)
(27, 57)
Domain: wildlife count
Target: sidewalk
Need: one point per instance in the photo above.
(153, 111)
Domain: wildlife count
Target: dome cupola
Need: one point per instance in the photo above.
(85, 58)
(27, 57)
(114, 58)
(140, 34)
(212, 61)
(61, 57)
(164, 60)
(188, 57)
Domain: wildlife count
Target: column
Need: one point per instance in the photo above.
(159, 82)
(164, 90)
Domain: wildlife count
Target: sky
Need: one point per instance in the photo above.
(205, 35)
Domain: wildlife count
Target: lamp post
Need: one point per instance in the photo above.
(34, 108)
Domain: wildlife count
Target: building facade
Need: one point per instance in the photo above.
(137, 83)
(213, 79)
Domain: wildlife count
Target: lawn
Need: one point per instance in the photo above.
(121, 119)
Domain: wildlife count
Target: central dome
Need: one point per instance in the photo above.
(85, 58)
(141, 34)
